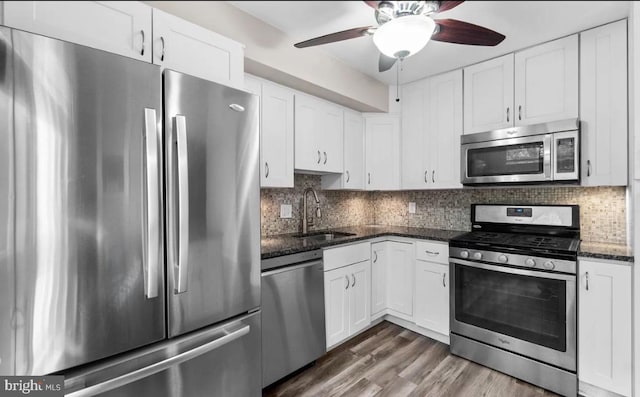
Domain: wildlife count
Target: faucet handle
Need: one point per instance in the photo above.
(318, 213)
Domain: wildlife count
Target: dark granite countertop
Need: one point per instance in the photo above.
(615, 252)
(286, 244)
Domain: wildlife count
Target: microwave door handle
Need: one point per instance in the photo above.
(152, 206)
(183, 206)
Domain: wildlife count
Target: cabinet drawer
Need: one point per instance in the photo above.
(342, 256)
(432, 251)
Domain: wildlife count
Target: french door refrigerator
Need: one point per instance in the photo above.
(129, 224)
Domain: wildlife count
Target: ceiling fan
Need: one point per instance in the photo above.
(405, 27)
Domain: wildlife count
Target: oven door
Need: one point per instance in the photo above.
(525, 159)
(527, 312)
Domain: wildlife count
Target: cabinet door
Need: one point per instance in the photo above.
(444, 130)
(330, 134)
(276, 136)
(378, 277)
(432, 296)
(188, 48)
(415, 172)
(307, 152)
(488, 95)
(604, 323)
(603, 105)
(546, 82)
(400, 273)
(353, 176)
(382, 149)
(336, 304)
(121, 27)
(359, 296)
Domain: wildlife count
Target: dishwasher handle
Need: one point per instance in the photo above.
(293, 267)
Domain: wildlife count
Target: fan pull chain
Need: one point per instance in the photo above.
(398, 81)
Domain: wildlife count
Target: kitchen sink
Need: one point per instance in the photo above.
(323, 236)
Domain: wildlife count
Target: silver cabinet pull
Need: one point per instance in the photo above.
(346, 278)
(325, 157)
(183, 205)
(152, 193)
(586, 278)
(319, 157)
(588, 167)
(266, 169)
(160, 366)
(426, 175)
(375, 256)
(354, 280)
(444, 277)
(431, 253)
(519, 112)
(369, 181)
(507, 114)
(163, 47)
(348, 176)
(142, 50)
(433, 176)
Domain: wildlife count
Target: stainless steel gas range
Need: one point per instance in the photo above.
(513, 295)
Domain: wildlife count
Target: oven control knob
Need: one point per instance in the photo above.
(549, 265)
(530, 262)
(477, 256)
(464, 254)
(503, 258)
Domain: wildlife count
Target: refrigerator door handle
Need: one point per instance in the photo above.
(159, 366)
(183, 206)
(152, 224)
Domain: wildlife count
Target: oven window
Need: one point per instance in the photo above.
(524, 158)
(524, 307)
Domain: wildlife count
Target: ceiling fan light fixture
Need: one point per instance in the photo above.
(404, 36)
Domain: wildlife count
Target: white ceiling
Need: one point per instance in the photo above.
(525, 23)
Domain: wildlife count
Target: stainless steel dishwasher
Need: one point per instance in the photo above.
(293, 327)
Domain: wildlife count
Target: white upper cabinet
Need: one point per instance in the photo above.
(186, 47)
(276, 136)
(414, 118)
(353, 176)
(382, 152)
(121, 27)
(488, 95)
(318, 135)
(546, 82)
(603, 105)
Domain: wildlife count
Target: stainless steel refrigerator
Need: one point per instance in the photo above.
(129, 224)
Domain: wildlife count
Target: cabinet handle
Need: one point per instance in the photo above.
(431, 253)
(426, 175)
(586, 277)
(433, 176)
(519, 112)
(142, 50)
(266, 169)
(325, 157)
(369, 182)
(354, 280)
(346, 278)
(444, 278)
(348, 176)
(507, 114)
(375, 256)
(319, 157)
(588, 167)
(162, 54)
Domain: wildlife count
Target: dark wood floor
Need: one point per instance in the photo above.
(388, 360)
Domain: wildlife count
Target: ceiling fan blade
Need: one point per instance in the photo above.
(447, 5)
(459, 32)
(385, 63)
(337, 36)
(372, 4)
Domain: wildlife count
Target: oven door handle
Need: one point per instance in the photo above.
(510, 270)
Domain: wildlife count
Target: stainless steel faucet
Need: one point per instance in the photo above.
(306, 223)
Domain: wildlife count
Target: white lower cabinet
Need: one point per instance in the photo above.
(379, 253)
(432, 296)
(604, 326)
(400, 279)
(347, 291)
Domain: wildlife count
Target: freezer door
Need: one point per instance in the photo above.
(7, 191)
(213, 202)
(221, 361)
(88, 247)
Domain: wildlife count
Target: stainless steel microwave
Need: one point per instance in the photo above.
(540, 153)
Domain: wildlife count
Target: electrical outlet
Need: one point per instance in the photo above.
(285, 211)
(412, 208)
